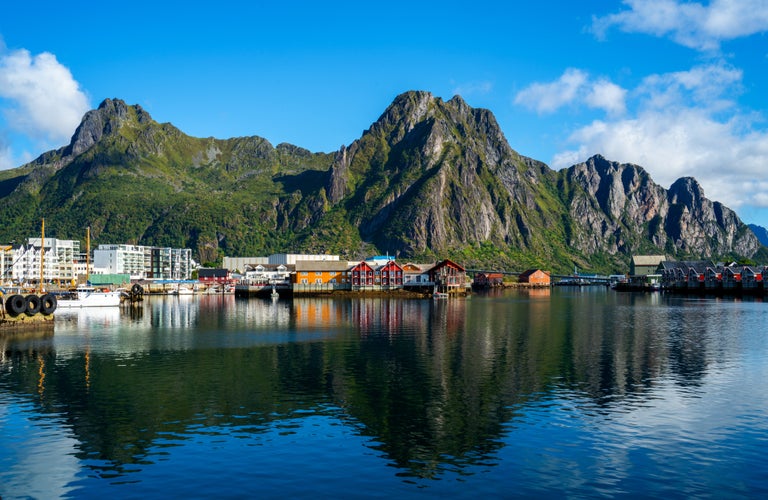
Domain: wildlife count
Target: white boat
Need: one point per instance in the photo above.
(185, 290)
(88, 296)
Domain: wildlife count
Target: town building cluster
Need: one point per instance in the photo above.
(709, 277)
(700, 276)
(327, 273)
(65, 262)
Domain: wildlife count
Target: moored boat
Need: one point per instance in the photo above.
(88, 296)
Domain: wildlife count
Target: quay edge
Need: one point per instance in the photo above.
(24, 323)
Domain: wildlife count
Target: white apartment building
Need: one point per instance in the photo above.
(63, 261)
(143, 262)
(120, 259)
(21, 263)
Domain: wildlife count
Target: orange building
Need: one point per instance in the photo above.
(321, 272)
(535, 277)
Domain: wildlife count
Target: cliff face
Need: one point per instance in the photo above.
(428, 178)
(448, 171)
(435, 176)
(623, 211)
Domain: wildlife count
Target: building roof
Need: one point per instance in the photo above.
(491, 275)
(411, 267)
(529, 272)
(321, 265)
(447, 263)
(212, 273)
(271, 267)
(648, 260)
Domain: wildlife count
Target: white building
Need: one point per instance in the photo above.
(120, 259)
(21, 263)
(291, 258)
(269, 273)
(6, 259)
(143, 262)
(241, 264)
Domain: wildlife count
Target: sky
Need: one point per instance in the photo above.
(677, 87)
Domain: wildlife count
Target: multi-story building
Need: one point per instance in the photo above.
(119, 259)
(21, 263)
(6, 260)
(64, 262)
(143, 262)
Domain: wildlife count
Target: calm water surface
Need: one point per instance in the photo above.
(561, 393)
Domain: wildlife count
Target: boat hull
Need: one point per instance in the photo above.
(90, 299)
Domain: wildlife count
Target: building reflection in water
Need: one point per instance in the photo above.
(435, 383)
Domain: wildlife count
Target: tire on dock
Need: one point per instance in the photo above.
(48, 304)
(32, 305)
(15, 305)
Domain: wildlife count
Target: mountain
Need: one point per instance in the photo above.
(761, 233)
(430, 178)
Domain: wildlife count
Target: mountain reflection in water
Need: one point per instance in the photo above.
(576, 391)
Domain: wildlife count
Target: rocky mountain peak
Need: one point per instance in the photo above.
(103, 121)
(429, 177)
(686, 191)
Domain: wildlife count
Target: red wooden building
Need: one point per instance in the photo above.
(486, 280)
(213, 276)
(390, 274)
(362, 275)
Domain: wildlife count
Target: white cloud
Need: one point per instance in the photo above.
(691, 24)
(473, 88)
(6, 156)
(574, 87)
(46, 103)
(549, 97)
(607, 96)
(685, 125)
(709, 86)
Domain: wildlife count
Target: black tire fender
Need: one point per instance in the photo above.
(32, 305)
(48, 304)
(15, 305)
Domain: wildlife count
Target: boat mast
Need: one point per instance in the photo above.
(87, 254)
(42, 254)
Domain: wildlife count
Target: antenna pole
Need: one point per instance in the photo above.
(42, 254)
(87, 254)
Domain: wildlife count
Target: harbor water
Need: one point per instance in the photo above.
(565, 392)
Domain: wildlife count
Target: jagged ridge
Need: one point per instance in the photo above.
(428, 178)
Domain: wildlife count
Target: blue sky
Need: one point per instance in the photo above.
(680, 88)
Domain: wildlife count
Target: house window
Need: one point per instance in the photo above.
(303, 281)
(319, 281)
(304, 273)
(318, 273)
